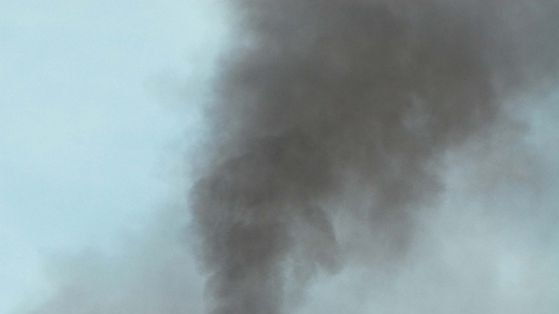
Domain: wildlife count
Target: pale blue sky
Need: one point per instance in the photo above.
(90, 121)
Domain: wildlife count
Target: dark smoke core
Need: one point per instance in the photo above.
(324, 96)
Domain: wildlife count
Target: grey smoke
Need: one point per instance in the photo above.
(361, 156)
(331, 125)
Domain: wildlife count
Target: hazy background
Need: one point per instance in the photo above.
(99, 102)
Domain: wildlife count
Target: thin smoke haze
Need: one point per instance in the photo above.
(324, 97)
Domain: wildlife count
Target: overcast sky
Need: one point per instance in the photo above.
(99, 102)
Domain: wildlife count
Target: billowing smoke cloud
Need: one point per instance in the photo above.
(332, 121)
(362, 156)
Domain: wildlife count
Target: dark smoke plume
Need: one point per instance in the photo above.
(331, 122)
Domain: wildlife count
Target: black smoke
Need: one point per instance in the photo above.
(322, 98)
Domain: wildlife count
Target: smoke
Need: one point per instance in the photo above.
(359, 156)
(332, 123)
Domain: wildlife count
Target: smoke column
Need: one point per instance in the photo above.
(320, 98)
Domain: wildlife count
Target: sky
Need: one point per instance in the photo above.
(100, 102)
